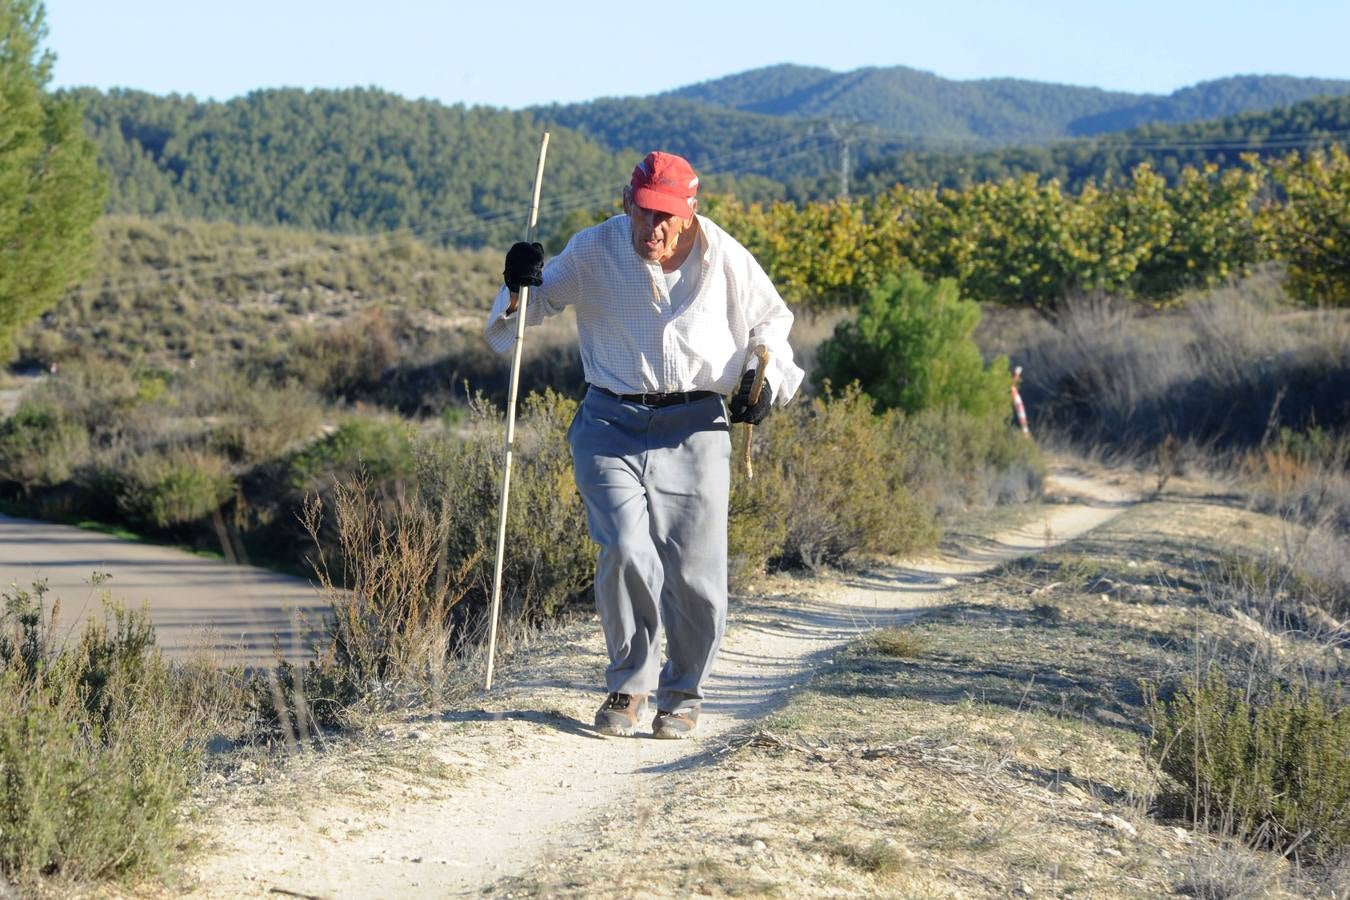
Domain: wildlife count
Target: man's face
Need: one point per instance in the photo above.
(655, 233)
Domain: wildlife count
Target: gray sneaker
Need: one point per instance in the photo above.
(675, 725)
(619, 714)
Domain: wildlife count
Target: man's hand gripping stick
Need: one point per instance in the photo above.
(762, 354)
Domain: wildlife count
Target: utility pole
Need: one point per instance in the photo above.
(845, 139)
(843, 168)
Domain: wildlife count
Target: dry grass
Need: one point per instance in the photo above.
(993, 748)
(1223, 369)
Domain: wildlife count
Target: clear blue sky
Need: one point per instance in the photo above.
(516, 53)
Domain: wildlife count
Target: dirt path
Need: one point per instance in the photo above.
(523, 772)
(190, 598)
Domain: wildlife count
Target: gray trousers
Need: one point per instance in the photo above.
(655, 485)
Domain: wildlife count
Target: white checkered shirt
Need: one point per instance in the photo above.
(633, 341)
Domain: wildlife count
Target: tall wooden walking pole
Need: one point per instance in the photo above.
(511, 425)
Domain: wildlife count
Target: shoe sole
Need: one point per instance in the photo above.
(621, 730)
(670, 734)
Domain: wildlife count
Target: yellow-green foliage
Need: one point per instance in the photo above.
(1027, 242)
(1276, 770)
(1214, 234)
(1311, 229)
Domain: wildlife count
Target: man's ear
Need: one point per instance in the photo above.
(628, 199)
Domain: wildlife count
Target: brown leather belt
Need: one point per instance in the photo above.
(658, 400)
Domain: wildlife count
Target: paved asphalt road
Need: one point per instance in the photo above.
(191, 600)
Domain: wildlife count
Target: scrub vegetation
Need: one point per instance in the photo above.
(235, 361)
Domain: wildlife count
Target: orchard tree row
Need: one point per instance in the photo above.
(1028, 242)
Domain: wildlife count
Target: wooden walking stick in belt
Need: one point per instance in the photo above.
(524, 295)
(762, 353)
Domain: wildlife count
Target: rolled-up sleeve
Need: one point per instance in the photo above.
(558, 291)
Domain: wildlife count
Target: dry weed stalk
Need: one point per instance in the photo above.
(392, 601)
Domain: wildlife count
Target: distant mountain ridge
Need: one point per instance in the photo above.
(789, 122)
(1304, 126)
(368, 161)
(1213, 100)
(1001, 110)
(912, 102)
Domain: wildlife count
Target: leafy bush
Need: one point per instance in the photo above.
(261, 422)
(173, 487)
(549, 555)
(1312, 228)
(757, 515)
(911, 349)
(953, 460)
(1276, 770)
(1213, 232)
(846, 479)
(379, 448)
(98, 743)
(39, 447)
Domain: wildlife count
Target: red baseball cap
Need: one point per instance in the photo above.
(666, 183)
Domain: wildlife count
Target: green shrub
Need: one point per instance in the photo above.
(1275, 770)
(98, 744)
(262, 422)
(380, 448)
(40, 448)
(345, 360)
(845, 475)
(757, 517)
(911, 348)
(953, 460)
(93, 393)
(1311, 230)
(173, 487)
(549, 555)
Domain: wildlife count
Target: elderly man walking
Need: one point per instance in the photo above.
(668, 307)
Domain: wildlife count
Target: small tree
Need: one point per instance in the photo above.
(51, 190)
(911, 349)
(1311, 231)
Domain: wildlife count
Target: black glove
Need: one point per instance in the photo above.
(740, 408)
(524, 266)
